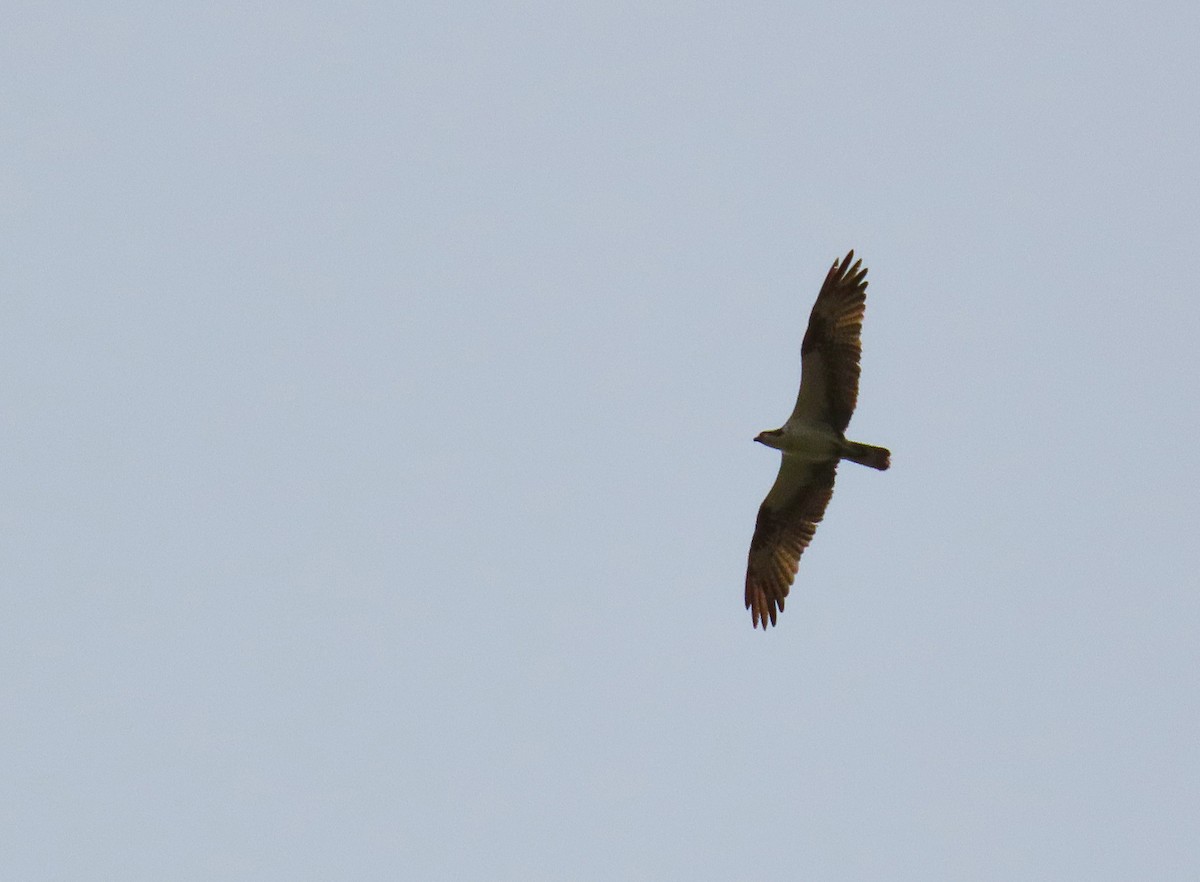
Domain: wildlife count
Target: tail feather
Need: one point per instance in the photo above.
(868, 455)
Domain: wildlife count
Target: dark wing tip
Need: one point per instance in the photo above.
(846, 273)
(852, 272)
(763, 609)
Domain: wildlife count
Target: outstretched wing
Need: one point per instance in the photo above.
(787, 520)
(832, 347)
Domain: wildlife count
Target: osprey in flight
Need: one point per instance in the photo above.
(812, 441)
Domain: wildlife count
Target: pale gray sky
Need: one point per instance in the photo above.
(377, 387)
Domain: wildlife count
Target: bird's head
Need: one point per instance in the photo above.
(772, 438)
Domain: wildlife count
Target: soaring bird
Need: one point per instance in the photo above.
(812, 441)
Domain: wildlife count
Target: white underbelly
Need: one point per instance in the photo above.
(811, 441)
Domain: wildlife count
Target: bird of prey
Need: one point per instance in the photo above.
(812, 441)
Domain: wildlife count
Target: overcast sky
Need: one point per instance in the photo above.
(377, 391)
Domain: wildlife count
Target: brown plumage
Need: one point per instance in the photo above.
(812, 441)
(832, 343)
